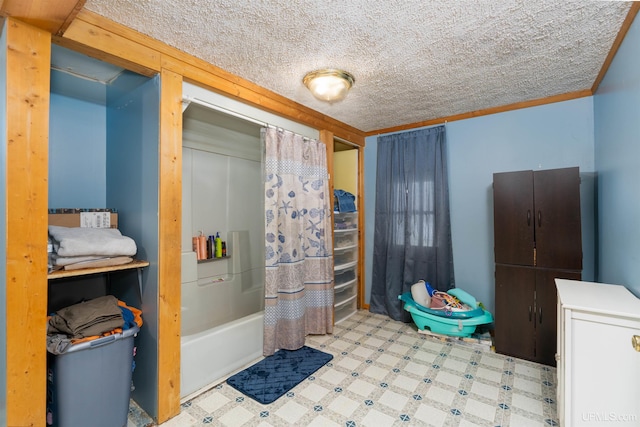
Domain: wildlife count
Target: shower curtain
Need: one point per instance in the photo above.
(299, 262)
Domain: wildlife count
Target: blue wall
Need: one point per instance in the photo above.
(77, 152)
(617, 153)
(544, 137)
(132, 162)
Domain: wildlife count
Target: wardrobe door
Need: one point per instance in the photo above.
(513, 217)
(514, 320)
(546, 313)
(557, 218)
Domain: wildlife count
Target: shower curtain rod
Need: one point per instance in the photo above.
(187, 100)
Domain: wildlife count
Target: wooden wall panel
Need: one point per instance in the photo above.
(28, 54)
(170, 229)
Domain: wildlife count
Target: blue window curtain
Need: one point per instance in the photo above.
(412, 235)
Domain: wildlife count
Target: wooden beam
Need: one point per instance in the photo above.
(28, 55)
(169, 241)
(101, 38)
(485, 112)
(110, 47)
(361, 234)
(51, 16)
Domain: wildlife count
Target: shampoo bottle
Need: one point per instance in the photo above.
(218, 246)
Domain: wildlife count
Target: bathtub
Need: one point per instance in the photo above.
(209, 356)
(222, 315)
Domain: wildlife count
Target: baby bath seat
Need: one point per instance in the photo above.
(459, 323)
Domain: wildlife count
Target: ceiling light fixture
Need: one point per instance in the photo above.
(329, 84)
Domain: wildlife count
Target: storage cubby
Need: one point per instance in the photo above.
(104, 153)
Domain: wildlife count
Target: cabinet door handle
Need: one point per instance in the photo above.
(635, 342)
(529, 313)
(539, 219)
(528, 217)
(540, 315)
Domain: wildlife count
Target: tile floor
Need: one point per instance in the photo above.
(384, 373)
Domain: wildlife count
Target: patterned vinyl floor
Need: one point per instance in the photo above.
(385, 373)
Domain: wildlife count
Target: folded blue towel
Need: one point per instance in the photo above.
(344, 201)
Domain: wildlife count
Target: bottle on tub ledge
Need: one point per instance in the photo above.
(200, 246)
(218, 245)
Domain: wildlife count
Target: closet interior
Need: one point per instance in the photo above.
(104, 154)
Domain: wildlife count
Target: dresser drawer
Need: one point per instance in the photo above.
(345, 221)
(345, 238)
(344, 256)
(345, 275)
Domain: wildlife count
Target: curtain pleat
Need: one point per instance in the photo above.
(298, 253)
(412, 233)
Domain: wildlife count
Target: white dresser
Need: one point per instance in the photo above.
(598, 355)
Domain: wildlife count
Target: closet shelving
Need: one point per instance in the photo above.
(345, 265)
(59, 274)
(138, 265)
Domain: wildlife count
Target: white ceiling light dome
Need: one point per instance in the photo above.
(329, 84)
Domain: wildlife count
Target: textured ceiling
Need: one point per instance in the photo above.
(413, 60)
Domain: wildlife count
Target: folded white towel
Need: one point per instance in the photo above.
(80, 241)
(59, 260)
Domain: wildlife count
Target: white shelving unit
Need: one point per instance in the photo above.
(345, 257)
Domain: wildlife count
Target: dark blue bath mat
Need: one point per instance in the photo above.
(275, 375)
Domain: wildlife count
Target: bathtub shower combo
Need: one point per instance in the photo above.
(222, 315)
(223, 191)
(222, 298)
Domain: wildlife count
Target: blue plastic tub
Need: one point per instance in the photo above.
(443, 325)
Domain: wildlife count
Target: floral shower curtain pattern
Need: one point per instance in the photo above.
(299, 260)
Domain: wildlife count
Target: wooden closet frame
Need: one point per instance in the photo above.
(30, 29)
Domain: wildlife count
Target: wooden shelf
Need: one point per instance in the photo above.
(59, 274)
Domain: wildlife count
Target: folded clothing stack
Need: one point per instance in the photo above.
(80, 247)
(89, 320)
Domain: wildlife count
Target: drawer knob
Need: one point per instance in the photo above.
(635, 342)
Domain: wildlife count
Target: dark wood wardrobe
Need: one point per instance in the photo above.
(537, 237)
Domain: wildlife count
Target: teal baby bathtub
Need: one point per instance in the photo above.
(443, 325)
